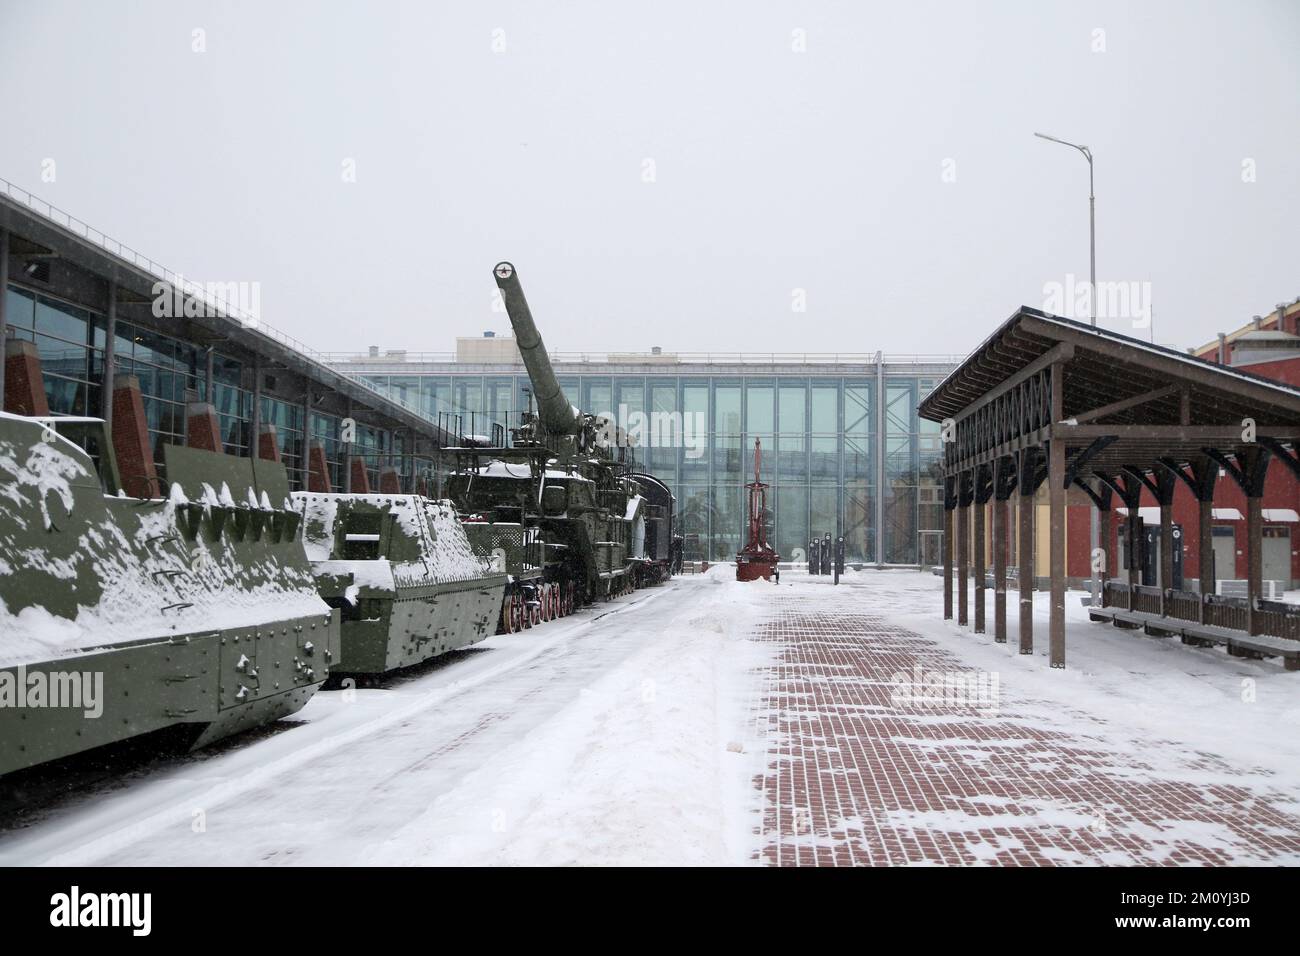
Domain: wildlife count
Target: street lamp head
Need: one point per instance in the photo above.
(1052, 139)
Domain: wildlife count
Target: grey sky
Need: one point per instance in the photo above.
(774, 170)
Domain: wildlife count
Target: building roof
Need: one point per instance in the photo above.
(1107, 364)
(46, 228)
(1124, 403)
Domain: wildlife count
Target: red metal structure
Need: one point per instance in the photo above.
(756, 559)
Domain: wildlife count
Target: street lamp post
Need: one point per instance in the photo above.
(1094, 530)
(1092, 220)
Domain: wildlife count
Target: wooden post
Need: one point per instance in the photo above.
(963, 548)
(1135, 538)
(1000, 570)
(1104, 534)
(1056, 529)
(1025, 551)
(1205, 544)
(1254, 561)
(1000, 514)
(948, 504)
(978, 550)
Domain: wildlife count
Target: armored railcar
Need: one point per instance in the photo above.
(403, 575)
(122, 616)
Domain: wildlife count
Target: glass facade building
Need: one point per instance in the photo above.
(70, 341)
(843, 449)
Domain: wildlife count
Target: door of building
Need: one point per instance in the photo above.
(1277, 554)
(1225, 552)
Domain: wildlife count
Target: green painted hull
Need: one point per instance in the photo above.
(404, 576)
(198, 609)
(198, 680)
(419, 624)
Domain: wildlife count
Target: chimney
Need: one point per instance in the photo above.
(1257, 322)
(1223, 349)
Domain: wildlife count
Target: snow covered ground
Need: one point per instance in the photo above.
(600, 738)
(643, 731)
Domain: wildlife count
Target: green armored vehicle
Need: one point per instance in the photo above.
(567, 477)
(121, 616)
(403, 575)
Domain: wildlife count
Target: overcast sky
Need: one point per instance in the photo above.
(671, 173)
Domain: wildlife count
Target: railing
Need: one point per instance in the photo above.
(1272, 618)
(1146, 599)
(1226, 612)
(1183, 605)
(204, 294)
(1116, 594)
(1278, 619)
(614, 357)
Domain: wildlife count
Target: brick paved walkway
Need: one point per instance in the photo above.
(855, 778)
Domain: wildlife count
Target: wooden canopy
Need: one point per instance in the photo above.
(1049, 399)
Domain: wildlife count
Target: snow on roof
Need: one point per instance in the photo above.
(1162, 351)
(138, 592)
(445, 552)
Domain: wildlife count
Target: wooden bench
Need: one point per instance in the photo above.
(1238, 643)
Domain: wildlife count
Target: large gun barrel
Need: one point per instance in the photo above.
(553, 408)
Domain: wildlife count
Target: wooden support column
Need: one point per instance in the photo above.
(1204, 473)
(1025, 551)
(1205, 545)
(1056, 542)
(1056, 519)
(1249, 471)
(1254, 560)
(949, 503)
(1135, 539)
(977, 572)
(982, 492)
(1001, 491)
(963, 547)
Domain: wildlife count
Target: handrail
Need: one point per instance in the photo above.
(398, 357)
(251, 323)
